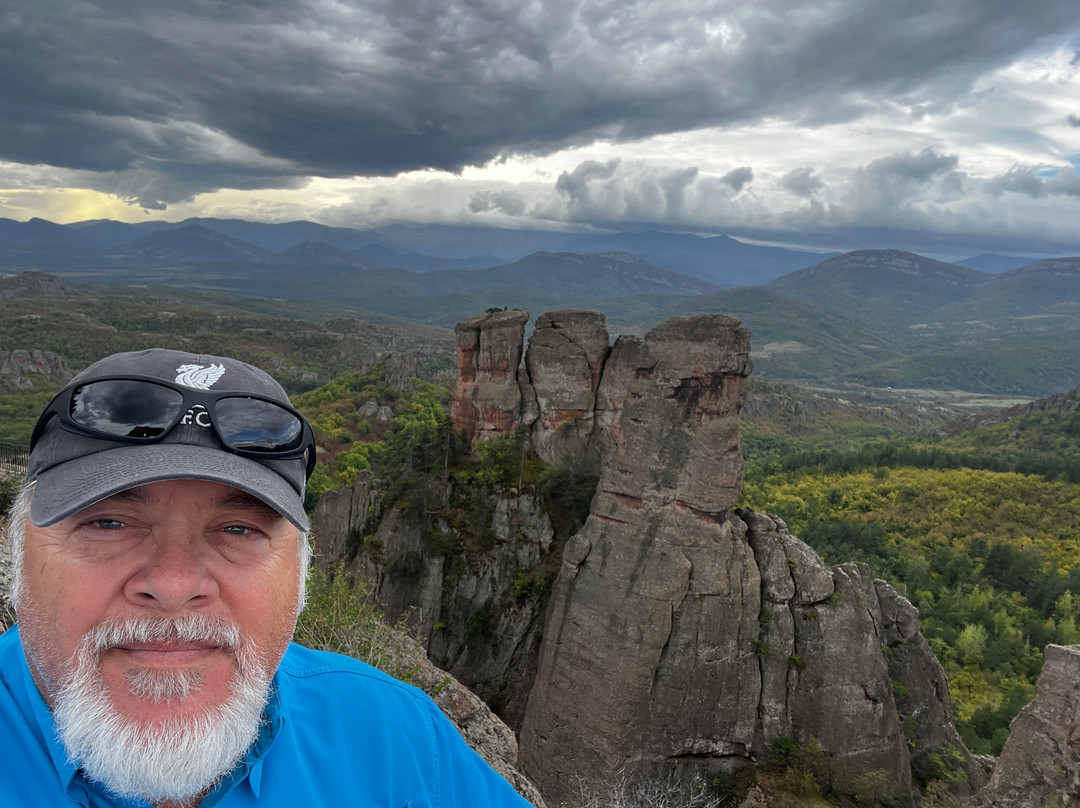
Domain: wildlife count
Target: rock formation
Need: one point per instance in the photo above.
(683, 635)
(1040, 764)
(649, 649)
(554, 393)
(487, 399)
(340, 516)
(20, 369)
(843, 663)
(480, 617)
(564, 361)
(32, 284)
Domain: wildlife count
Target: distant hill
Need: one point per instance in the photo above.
(419, 248)
(313, 253)
(792, 339)
(720, 259)
(275, 237)
(195, 242)
(41, 233)
(552, 280)
(991, 262)
(418, 262)
(881, 287)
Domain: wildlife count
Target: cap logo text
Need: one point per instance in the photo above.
(199, 377)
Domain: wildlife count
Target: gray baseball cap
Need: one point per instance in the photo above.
(72, 471)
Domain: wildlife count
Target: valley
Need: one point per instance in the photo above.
(914, 416)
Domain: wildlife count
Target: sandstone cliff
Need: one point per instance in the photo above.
(683, 635)
(1040, 764)
(487, 399)
(480, 615)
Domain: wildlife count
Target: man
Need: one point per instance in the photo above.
(159, 553)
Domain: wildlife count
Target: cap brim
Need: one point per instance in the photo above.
(69, 487)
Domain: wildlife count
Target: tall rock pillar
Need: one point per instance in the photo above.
(657, 601)
(565, 360)
(487, 396)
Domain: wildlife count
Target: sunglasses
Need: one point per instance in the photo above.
(138, 409)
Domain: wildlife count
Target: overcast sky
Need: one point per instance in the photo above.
(951, 126)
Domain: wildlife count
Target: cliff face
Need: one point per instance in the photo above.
(657, 601)
(563, 363)
(487, 399)
(682, 634)
(480, 614)
(1040, 764)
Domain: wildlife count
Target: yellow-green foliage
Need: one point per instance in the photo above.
(928, 507)
(991, 559)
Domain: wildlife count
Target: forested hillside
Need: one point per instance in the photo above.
(980, 529)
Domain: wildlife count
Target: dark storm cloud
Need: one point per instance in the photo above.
(200, 95)
(802, 182)
(738, 178)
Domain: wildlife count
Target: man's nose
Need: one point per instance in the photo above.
(174, 574)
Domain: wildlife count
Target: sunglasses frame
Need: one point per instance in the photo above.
(61, 405)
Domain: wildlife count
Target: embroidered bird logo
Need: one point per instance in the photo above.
(199, 377)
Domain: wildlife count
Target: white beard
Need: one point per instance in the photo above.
(172, 760)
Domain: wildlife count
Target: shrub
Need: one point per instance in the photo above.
(342, 617)
(651, 791)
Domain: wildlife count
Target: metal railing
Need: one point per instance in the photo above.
(13, 458)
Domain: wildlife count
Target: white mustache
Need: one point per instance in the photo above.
(187, 628)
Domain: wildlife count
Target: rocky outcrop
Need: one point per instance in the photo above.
(554, 392)
(1039, 766)
(478, 725)
(23, 369)
(682, 636)
(487, 399)
(32, 284)
(649, 653)
(823, 673)
(340, 517)
(843, 662)
(686, 636)
(564, 361)
(479, 610)
(1060, 402)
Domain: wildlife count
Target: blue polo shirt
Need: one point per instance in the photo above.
(337, 733)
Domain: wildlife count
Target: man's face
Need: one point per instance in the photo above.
(173, 549)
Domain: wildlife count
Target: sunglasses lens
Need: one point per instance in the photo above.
(257, 426)
(130, 409)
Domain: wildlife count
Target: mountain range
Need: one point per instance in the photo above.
(40, 244)
(882, 318)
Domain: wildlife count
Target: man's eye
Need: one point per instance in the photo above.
(238, 530)
(107, 524)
